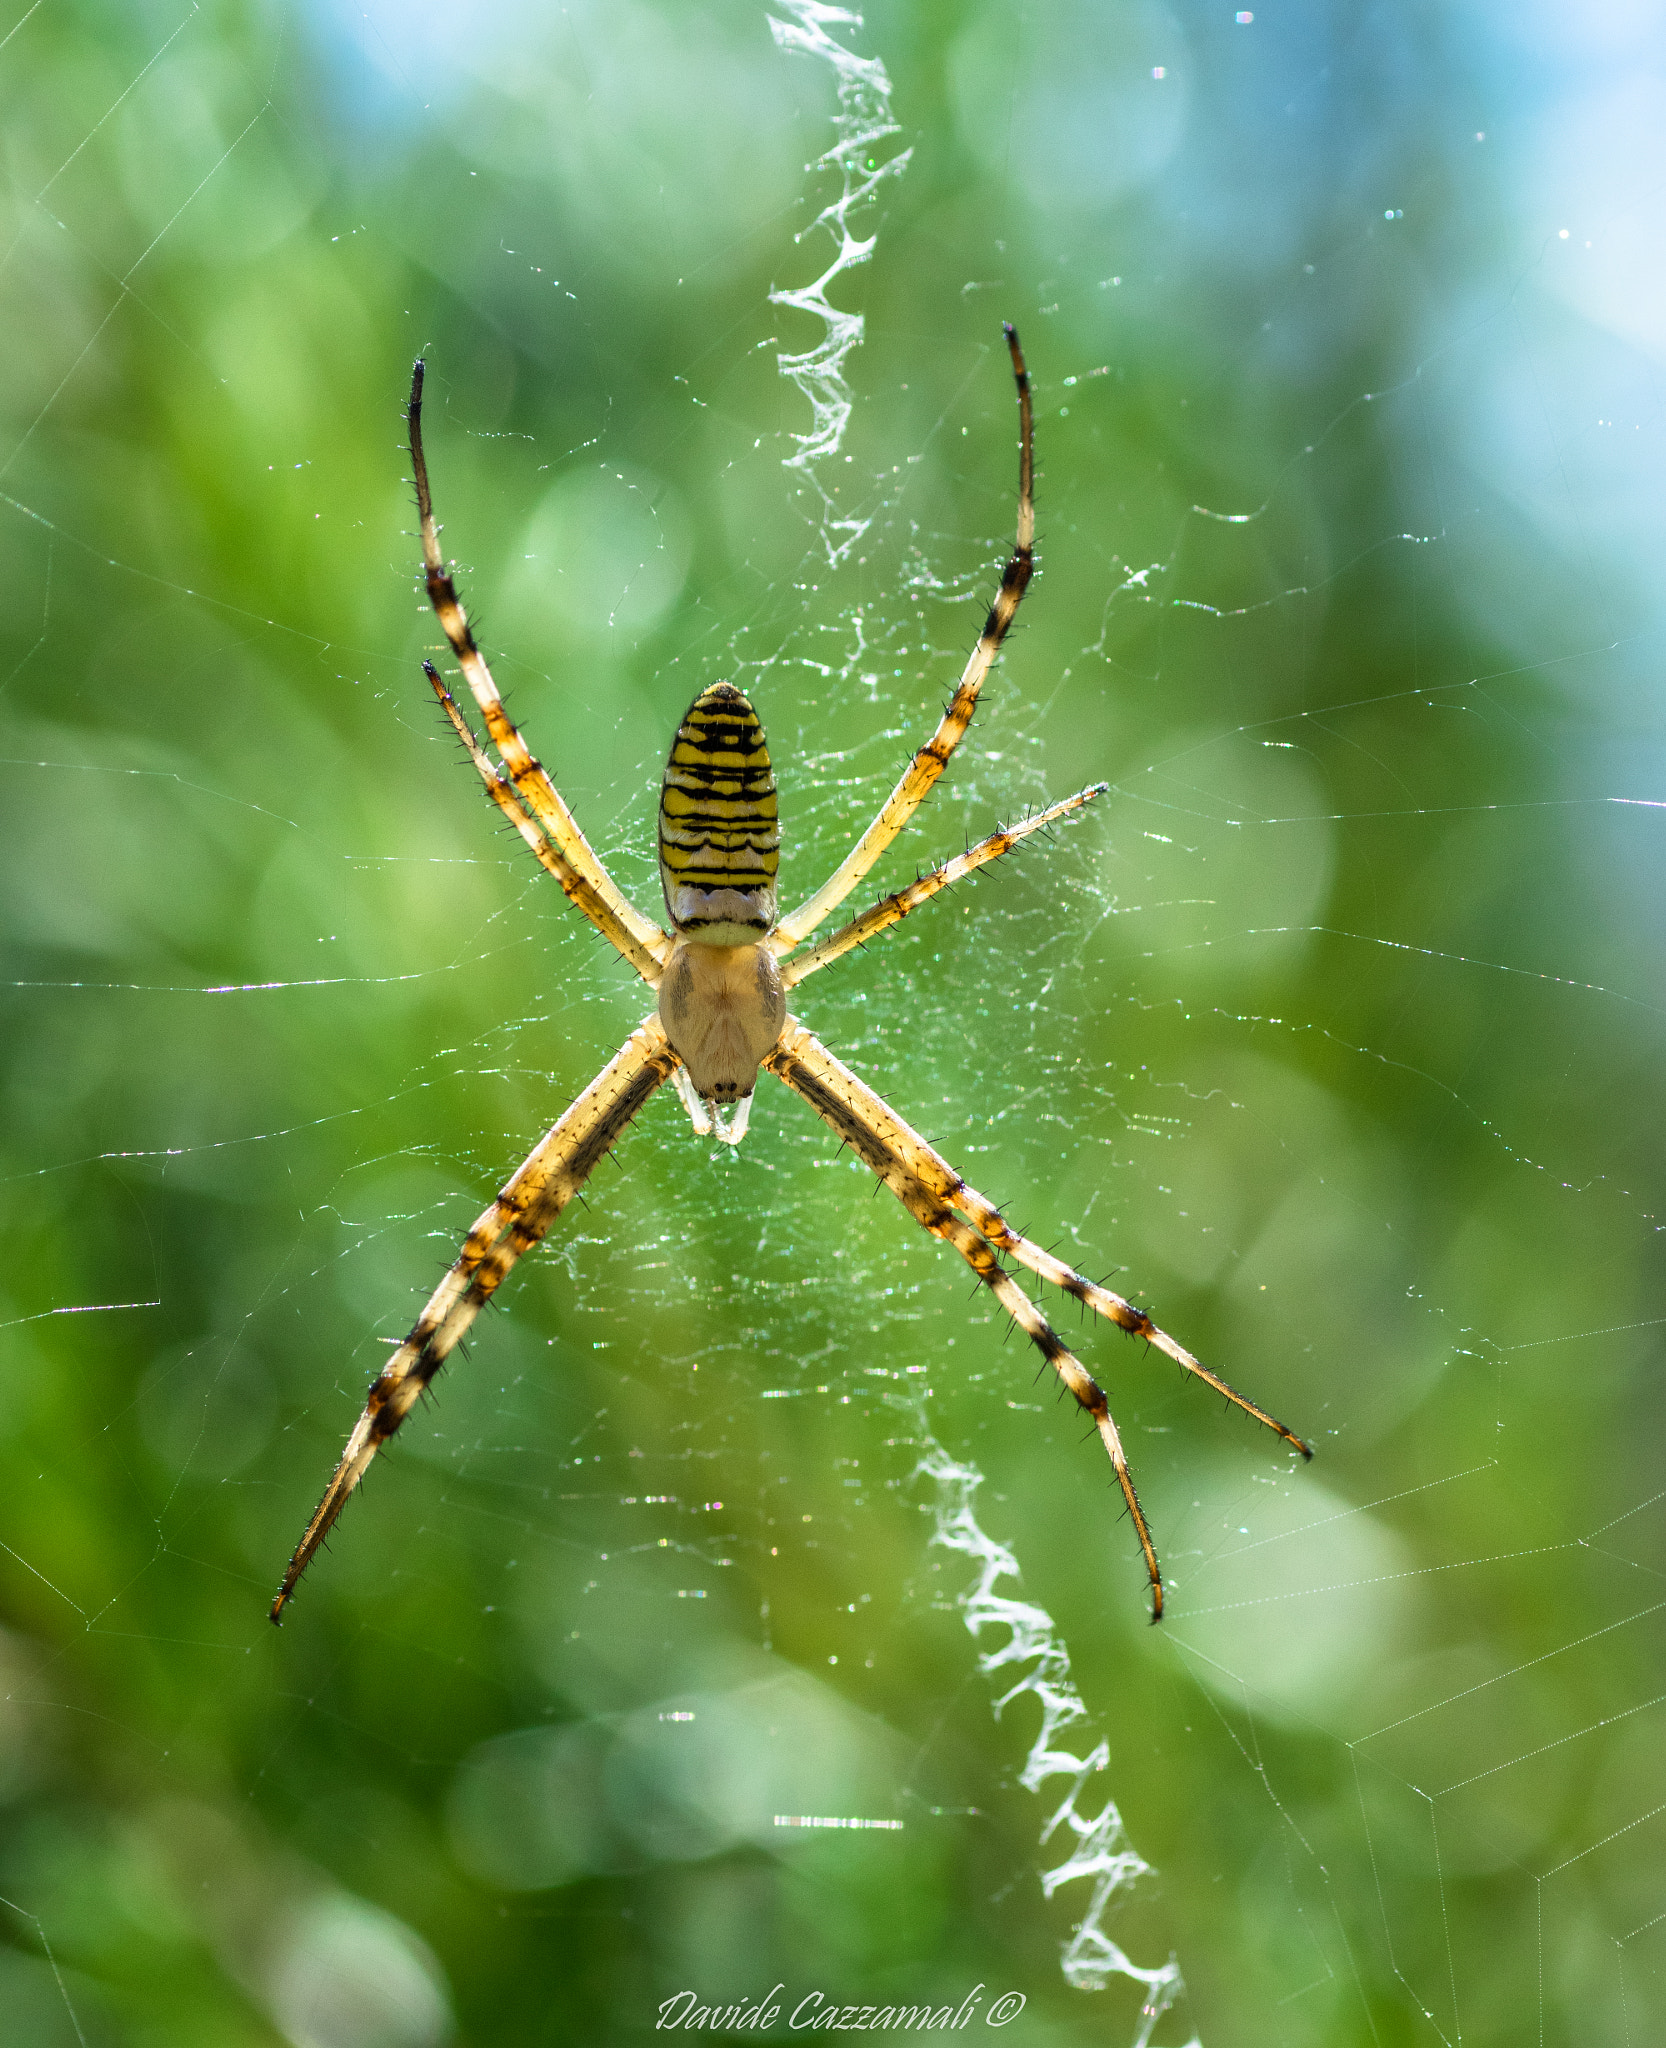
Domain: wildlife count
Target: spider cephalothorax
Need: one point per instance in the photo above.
(722, 974)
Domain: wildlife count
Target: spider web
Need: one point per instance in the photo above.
(741, 1614)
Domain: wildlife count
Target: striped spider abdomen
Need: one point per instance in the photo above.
(719, 823)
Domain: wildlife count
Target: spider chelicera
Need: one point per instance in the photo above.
(722, 974)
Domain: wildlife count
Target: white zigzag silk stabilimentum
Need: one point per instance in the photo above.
(1100, 1850)
(862, 122)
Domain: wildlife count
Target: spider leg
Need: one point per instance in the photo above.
(935, 1173)
(891, 910)
(616, 918)
(502, 792)
(530, 1202)
(929, 763)
(842, 1101)
(1111, 1306)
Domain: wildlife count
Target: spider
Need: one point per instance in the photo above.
(722, 974)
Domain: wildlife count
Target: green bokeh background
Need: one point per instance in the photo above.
(1336, 1031)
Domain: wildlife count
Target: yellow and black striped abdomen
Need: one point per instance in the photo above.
(719, 828)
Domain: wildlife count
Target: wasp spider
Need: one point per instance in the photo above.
(722, 974)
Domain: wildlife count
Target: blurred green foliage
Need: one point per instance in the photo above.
(1335, 1031)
